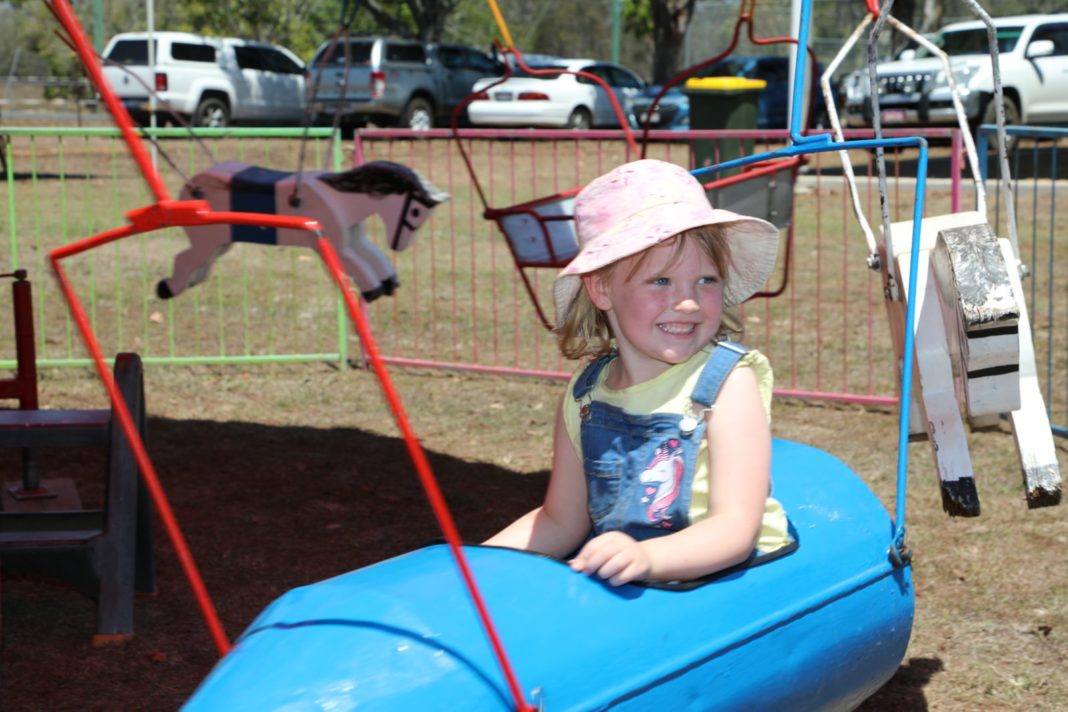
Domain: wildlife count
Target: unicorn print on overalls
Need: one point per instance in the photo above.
(640, 467)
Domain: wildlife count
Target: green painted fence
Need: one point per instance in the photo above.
(65, 184)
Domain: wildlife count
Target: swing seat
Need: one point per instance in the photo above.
(762, 190)
(820, 628)
(541, 233)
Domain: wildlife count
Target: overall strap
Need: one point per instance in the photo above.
(588, 379)
(720, 363)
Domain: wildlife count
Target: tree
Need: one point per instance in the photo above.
(666, 21)
(933, 12)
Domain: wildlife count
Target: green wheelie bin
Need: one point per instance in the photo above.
(722, 103)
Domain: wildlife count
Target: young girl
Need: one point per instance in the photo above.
(662, 449)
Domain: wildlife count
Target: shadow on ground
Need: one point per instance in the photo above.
(264, 509)
(904, 691)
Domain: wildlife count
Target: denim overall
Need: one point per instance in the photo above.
(639, 468)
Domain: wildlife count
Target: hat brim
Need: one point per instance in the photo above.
(754, 248)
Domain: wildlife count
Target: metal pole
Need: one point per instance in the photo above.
(98, 26)
(150, 9)
(616, 15)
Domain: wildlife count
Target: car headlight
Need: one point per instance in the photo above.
(962, 74)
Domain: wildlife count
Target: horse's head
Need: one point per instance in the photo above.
(406, 197)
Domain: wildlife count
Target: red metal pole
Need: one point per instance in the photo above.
(25, 352)
(422, 466)
(148, 471)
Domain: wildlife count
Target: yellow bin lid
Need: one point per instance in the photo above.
(725, 83)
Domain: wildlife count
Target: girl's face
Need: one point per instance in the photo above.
(663, 313)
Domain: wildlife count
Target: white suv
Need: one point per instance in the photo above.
(913, 90)
(213, 81)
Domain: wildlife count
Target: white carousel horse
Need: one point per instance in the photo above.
(973, 338)
(341, 202)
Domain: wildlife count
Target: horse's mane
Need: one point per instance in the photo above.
(380, 178)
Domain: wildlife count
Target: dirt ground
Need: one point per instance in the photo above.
(285, 475)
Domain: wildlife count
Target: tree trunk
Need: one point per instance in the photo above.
(933, 12)
(671, 18)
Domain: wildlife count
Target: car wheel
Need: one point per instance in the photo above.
(1012, 118)
(579, 119)
(418, 115)
(212, 112)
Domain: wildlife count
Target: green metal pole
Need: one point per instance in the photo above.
(616, 15)
(10, 169)
(98, 26)
(342, 320)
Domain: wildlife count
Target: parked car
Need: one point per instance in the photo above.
(395, 82)
(671, 112)
(773, 104)
(556, 101)
(211, 81)
(914, 89)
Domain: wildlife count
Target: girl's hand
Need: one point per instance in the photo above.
(613, 556)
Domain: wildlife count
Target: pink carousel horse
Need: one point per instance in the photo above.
(341, 202)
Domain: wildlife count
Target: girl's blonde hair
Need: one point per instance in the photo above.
(585, 331)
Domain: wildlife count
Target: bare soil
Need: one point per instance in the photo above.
(285, 475)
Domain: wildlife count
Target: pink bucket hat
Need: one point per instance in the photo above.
(641, 204)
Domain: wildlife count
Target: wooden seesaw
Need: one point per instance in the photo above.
(973, 340)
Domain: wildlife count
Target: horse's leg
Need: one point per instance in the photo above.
(366, 264)
(938, 396)
(1030, 423)
(193, 265)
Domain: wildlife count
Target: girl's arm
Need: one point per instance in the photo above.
(560, 524)
(739, 447)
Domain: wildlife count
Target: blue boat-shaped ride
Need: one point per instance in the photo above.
(820, 628)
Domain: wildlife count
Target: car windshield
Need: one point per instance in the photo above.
(359, 53)
(727, 68)
(960, 43)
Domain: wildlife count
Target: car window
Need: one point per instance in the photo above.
(405, 53)
(1057, 33)
(132, 52)
(622, 78)
(279, 62)
(772, 70)
(249, 57)
(482, 63)
(726, 68)
(359, 53)
(600, 71)
(189, 52)
(966, 42)
(451, 57)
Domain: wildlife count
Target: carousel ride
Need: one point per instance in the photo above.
(821, 627)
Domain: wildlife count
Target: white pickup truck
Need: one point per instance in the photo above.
(212, 81)
(914, 91)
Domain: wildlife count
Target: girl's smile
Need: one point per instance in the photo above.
(663, 305)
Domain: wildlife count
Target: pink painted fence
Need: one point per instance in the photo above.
(463, 305)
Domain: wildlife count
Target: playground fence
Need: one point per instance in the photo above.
(461, 304)
(1036, 166)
